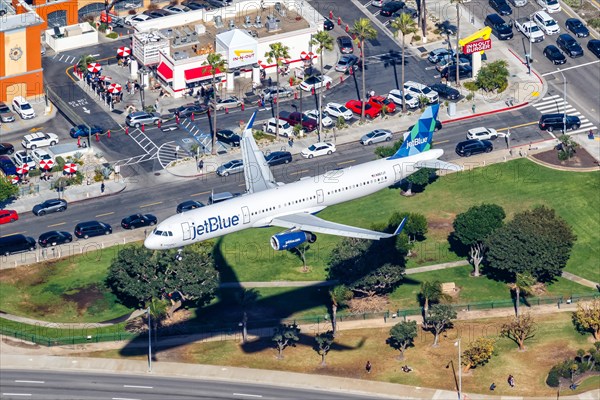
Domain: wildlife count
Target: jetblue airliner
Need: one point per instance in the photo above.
(293, 206)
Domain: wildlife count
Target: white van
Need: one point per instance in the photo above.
(285, 129)
(546, 23)
(219, 197)
(551, 6)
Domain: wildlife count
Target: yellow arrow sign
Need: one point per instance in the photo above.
(240, 52)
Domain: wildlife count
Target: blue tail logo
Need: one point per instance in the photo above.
(420, 137)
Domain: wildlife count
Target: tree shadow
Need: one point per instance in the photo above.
(456, 246)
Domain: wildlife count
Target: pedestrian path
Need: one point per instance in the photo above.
(555, 104)
(67, 59)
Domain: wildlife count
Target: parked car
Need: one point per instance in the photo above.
(390, 8)
(471, 147)
(345, 44)
(447, 28)
(188, 206)
(24, 160)
(445, 91)
(272, 93)
(40, 155)
(136, 119)
(338, 110)
(518, 3)
(84, 131)
(482, 133)
(22, 107)
(285, 129)
(7, 166)
(551, 6)
(554, 54)
(418, 89)
(54, 238)
(228, 137)
(383, 102)
(39, 139)
(406, 10)
(157, 13)
(50, 206)
(314, 114)
(448, 60)
(16, 243)
(92, 228)
(192, 108)
(550, 122)
(5, 114)
(8, 216)
(318, 149)
(6, 148)
(376, 136)
(328, 25)
(315, 82)
(501, 6)
(396, 96)
(576, 26)
(449, 73)
(227, 102)
(278, 157)
(194, 5)
(371, 110)
(500, 28)
(175, 9)
(231, 167)
(346, 62)
(546, 23)
(569, 45)
(436, 55)
(221, 196)
(138, 220)
(594, 46)
(133, 20)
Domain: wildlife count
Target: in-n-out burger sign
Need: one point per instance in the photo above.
(477, 45)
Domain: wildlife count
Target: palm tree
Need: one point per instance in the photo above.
(405, 25)
(339, 296)
(84, 61)
(431, 293)
(216, 63)
(323, 41)
(278, 53)
(521, 286)
(363, 30)
(246, 299)
(458, 3)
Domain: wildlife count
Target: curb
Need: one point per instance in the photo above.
(449, 121)
(561, 168)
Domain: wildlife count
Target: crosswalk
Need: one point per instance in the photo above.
(150, 148)
(65, 58)
(555, 105)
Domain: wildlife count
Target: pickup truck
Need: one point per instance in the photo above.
(529, 29)
(295, 118)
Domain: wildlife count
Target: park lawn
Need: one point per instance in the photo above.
(555, 340)
(71, 289)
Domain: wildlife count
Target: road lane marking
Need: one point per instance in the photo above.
(59, 224)
(16, 233)
(247, 395)
(566, 69)
(138, 387)
(105, 214)
(346, 162)
(200, 194)
(439, 141)
(299, 172)
(16, 394)
(123, 398)
(151, 204)
(30, 381)
(518, 126)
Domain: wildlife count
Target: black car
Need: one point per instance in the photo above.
(577, 27)
(445, 91)
(474, 146)
(390, 8)
(228, 137)
(449, 73)
(500, 28)
(188, 205)
(138, 220)
(406, 10)
(6, 148)
(54, 238)
(550, 122)
(92, 228)
(50, 206)
(345, 44)
(189, 109)
(569, 45)
(501, 6)
(278, 157)
(194, 5)
(594, 46)
(447, 28)
(157, 13)
(328, 25)
(553, 54)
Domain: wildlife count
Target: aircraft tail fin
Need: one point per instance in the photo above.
(420, 137)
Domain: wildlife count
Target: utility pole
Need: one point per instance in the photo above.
(149, 341)
(457, 343)
(564, 102)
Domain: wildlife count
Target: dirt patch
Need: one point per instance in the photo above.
(19, 344)
(582, 159)
(368, 304)
(84, 298)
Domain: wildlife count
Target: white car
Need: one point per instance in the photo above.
(376, 136)
(22, 159)
(133, 20)
(228, 102)
(314, 114)
(338, 110)
(173, 9)
(482, 133)
(22, 107)
(315, 82)
(418, 89)
(546, 23)
(551, 6)
(41, 155)
(318, 149)
(39, 139)
(396, 96)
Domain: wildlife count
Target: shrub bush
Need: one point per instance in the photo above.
(553, 380)
(594, 23)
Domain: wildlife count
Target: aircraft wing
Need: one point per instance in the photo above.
(308, 222)
(438, 164)
(256, 170)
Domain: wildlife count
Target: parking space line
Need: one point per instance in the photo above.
(299, 172)
(346, 162)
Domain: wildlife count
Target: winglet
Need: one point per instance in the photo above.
(400, 227)
(249, 124)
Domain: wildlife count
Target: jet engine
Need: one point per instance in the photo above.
(289, 240)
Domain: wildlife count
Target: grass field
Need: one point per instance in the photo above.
(556, 340)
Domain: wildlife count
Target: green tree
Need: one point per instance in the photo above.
(415, 227)
(493, 76)
(285, 335)
(323, 344)
(246, 298)
(567, 147)
(278, 53)
(83, 62)
(323, 41)
(340, 295)
(388, 151)
(420, 178)
(216, 63)
(7, 189)
(536, 241)
(522, 286)
(439, 319)
(473, 227)
(431, 293)
(363, 30)
(457, 3)
(519, 330)
(587, 317)
(402, 335)
(478, 353)
(405, 25)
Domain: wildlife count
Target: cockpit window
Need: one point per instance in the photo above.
(157, 232)
(165, 233)
(170, 233)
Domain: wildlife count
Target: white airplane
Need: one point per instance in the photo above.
(292, 206)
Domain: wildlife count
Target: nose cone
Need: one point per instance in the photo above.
(152, 242)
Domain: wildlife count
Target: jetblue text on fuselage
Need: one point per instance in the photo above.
(214, 224)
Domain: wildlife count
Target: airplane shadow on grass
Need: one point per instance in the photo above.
(265, 314)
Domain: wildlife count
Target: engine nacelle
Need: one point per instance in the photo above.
(289, 240)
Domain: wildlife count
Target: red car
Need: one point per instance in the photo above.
(7, 216)
(381, 101)
(371, 110)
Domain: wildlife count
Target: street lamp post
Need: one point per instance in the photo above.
(149, 341)
(564, 101)
(457, 343)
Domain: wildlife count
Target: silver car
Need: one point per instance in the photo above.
(231, 167)
(346, 62)
(376, 136)
(5, 114)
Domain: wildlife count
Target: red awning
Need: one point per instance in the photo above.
(165, 72)
(200, 73)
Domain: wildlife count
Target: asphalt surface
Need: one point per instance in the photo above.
(19, 384)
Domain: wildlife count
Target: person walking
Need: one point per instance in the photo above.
(511, 381)
(102, 187)
(201, 165)
(368, 367)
